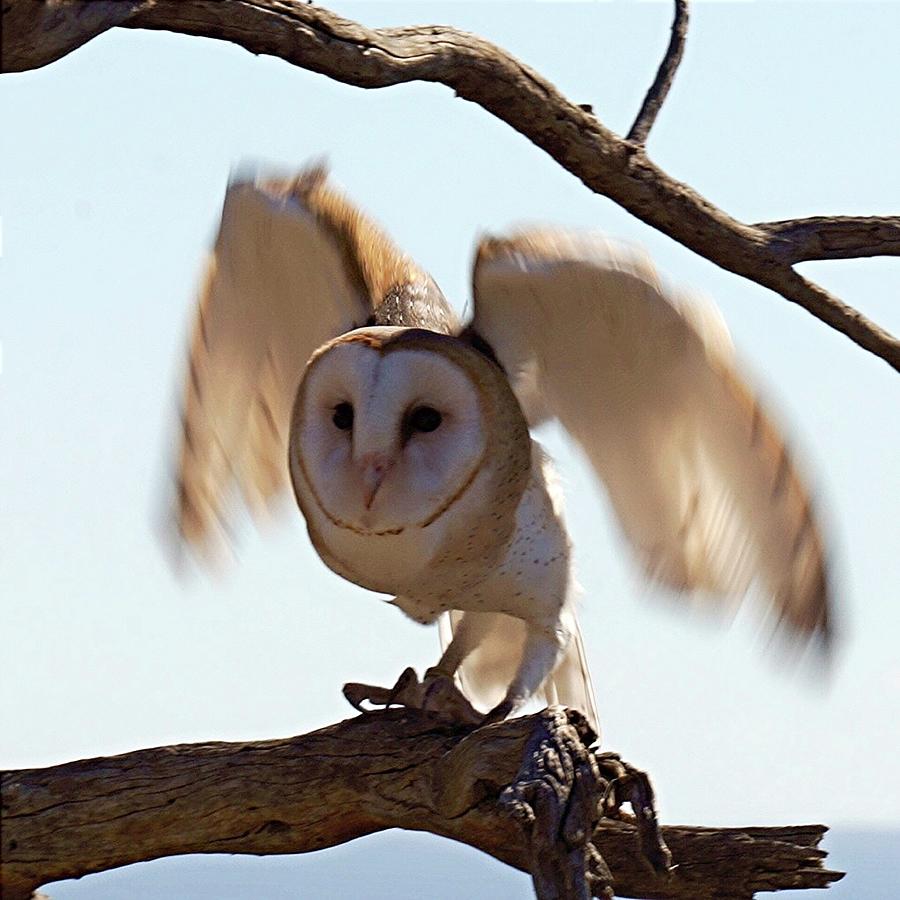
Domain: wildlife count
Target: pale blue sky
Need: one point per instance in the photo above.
(112, 168)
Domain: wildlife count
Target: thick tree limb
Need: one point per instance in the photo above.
(510, 789)
(318, 40)
(659, 90)
(36, 34)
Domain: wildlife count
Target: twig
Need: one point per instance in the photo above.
(665, 74)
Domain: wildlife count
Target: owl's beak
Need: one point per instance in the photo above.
(375, 467)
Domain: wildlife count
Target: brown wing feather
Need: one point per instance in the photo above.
(373, 263)
(201, 466)
(294, 265)
(645, 380)
(803, 599)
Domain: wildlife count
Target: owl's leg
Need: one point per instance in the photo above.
(544, 648)
(436, 692)
(441, 692)
(465, 639)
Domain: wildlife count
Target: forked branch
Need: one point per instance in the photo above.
(528, 791)
(316, 39)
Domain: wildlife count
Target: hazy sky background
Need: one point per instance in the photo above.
(113, 163)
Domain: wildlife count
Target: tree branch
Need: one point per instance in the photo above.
(833, 237)
(35, 34)
(318, 40)
(526, 784)
(659, 90)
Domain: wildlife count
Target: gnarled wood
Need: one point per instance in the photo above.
(391, 769)
(318, 40)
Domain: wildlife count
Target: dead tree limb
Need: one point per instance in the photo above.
(509, 789)
(37, 34)
(834, 237)
(313, 38)
(318, 40)
(659, 90)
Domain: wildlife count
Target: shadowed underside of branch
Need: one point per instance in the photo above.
(313, 38)
(527, 791)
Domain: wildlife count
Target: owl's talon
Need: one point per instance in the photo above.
(441, 695)
(498, 713)
(405, 689)
(436, 693)
(356, 694)
(432, 686)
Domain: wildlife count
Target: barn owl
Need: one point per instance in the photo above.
(323, 356)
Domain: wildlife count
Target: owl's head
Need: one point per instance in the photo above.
(391, 427)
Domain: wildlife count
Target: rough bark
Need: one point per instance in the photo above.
(527, 791)
(318, 40)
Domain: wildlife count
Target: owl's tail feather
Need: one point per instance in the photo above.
(489, 669)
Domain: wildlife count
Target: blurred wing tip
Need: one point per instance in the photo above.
(256, 172)
(820, 633)
(190, 530)
(186, 552)
(176, 547)
(245, 172)
(280, 191)
(315, 172)
(811, 647)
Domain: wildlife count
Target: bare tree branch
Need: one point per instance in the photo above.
(659, 90)
(35, 34)
(834, 237)
(394, 769)
(318, 40)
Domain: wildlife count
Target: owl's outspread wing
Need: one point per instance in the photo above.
(409, 454)
(294, 265)
(645, 381)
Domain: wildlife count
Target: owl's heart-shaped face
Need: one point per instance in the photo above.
(385, 436)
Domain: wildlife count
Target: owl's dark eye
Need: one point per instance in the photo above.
(424, 418)
(343, 416)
